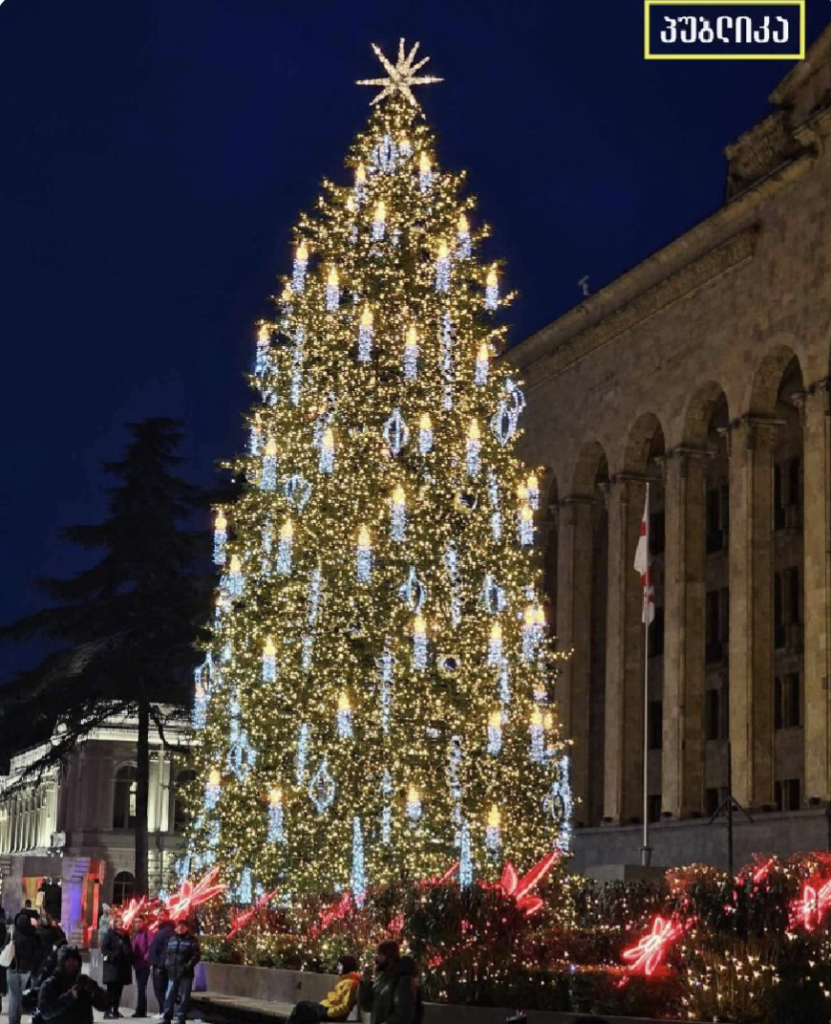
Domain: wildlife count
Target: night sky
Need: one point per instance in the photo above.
(154, 155)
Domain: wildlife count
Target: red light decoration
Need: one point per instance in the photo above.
(647, 956)
(190, 896)
(812, 905)
(242, 920)
(512, 885)
(334, 913)
(129, 913)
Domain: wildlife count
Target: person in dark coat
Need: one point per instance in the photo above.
(393, 996)
(28, 954)
(29, 910)
(117, 952)
(182, 954)
(67, 996)
(52, 936)
(158, 948)
(142, 941)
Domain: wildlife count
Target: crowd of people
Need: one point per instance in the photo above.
(42, 974)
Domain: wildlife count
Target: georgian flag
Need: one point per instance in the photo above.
(643, 566)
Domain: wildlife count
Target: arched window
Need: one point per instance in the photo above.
(181, 817)
(123, 888)
(124, 801)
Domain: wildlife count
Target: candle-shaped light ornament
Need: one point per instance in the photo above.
(220, 538)
(275, 816)
(212, 789)
(235, 581)
(505, 689)
(419, 644)
(301, 262)
(425, 172)
(200, 706)
(443, 268)
(474, 445)
(492, 289)
(495, 732)
(537, 733)
(411, 354)
(344, 718)
(332, 290)
(425, 433)
(413, 804)
(525, 524)
(263, 343)
(495, 645)
(379, 221)
(327, 451)
(532, 486)
(256, 437)
(465, 857)
(365, 336)
(363, 556)
(386, 813)
(398, 515)
(493, 832)
(404, 147)
(482, 364)
(360, 183)
(268, 477)
(358, 880)
(529, 633)
(269, 661)
(285, 547)
(540, 695)
(463, 237)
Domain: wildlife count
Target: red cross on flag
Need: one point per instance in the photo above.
(643, 566)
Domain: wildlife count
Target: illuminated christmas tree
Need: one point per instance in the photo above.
(378, 698)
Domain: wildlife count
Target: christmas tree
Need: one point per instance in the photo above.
(378, 698)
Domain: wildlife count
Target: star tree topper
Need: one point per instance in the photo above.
(402, 75)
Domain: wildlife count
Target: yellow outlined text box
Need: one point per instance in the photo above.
(689, 4)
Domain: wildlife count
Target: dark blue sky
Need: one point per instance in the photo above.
(155, 153)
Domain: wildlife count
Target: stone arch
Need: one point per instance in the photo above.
(768, 378)
(645, 440)
(699, 414)
(591, 467)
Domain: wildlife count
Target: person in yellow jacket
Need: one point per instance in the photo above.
(340, 1001)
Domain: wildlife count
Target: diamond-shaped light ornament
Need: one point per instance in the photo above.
(322, 788)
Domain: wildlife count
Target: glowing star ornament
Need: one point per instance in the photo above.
(425, 172)
(363, 556)
(344, 718)
(326, 463)
(483, 357)
(495, 732)
(220, 538)
(332, 290)
(525, 525)
(413, 807)
(365, 336)
(379, 221)
(495, 645)
(285, 547)
(268, 477)
(425, 434)
(269, 661)
(474, 446)
(402, 75)
(410, 360)
(443, 268)
(276, 833)
(536, 731)
(493, 832)
(301, 262)
(398, 515)
(419, 644)
(492, 290)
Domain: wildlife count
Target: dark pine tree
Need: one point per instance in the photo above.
(122, 632)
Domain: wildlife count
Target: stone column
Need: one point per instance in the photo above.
(574, 593)
(685, 471)
(623, 787)
(816, 535)
(750, 449)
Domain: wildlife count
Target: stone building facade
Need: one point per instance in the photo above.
(703, 371)
(76, 827)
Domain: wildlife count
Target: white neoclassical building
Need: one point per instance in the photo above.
(75, 828)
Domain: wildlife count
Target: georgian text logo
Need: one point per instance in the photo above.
(724, 29)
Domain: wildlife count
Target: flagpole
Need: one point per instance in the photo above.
(646, 852)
